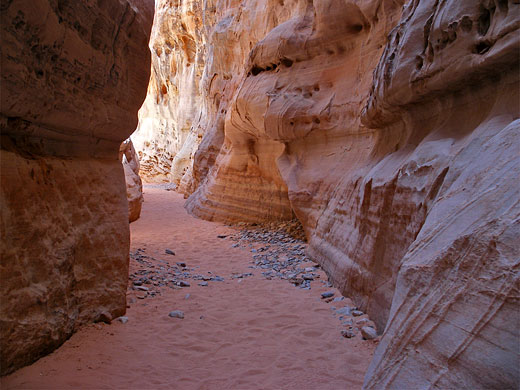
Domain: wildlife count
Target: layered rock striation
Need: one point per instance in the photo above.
(73, 77)
(391, 131)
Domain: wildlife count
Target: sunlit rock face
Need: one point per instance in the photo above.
(166, 135)
(390, 129)
(134, 185)
(200, 58)
(74, 74)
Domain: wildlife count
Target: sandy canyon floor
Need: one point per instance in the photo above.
(240, 329)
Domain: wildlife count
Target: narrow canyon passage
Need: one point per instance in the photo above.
(240, 333)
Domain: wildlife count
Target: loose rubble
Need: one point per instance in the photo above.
(154, 274)
(278, 250)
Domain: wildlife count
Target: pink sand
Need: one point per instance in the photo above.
(253, 334)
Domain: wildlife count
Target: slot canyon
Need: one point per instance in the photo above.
(260, 194)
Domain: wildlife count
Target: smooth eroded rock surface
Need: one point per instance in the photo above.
(73, 77)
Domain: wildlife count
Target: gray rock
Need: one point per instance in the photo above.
(368, 333)
(309, 269)
(182, 283)
(308, 277)
(187, 296)
(327, 294)
(181, 264)
(348, 333)
(142, 288)
(177, 314)
(357, 313)
(123, 319)
(338, 299)
(169, 252)
(344, 311)
(203, 284)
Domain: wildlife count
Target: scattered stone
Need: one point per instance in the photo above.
(346, 311)
(182, 283)
(123, 319)
(177, 314)
(368, 333)
(187, 296)
(181, 264)
(309, 269)
(169, 252)
(203, 284)
(357, 313)
(142, 288)
(348, 333)
(308, 277)
(338, 299)
(327, 294)
(222, 236)
(142, 295)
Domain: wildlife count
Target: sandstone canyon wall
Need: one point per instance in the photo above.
(391, 130)
(134, 185)
(74, 74)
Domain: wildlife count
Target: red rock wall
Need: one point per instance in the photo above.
(73, 77)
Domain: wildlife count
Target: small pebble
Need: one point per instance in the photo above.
(357, 313)
(181, 264)
(338, 299)
(327, 294)
(142, 288)
(203, 284)
(187, 296)
(368, 333)
(348, 333)
(123, 319)
(182, 283)
(177, 314)
(344, 311)
(169, 252)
